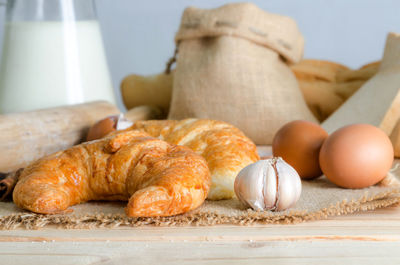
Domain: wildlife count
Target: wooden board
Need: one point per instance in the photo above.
(363, 238)
(369, 104)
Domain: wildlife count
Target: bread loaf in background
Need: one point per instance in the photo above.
(377, 102)
(153, 90)
(28, 136)
(327, 85)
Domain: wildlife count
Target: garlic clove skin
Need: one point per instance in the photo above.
(270, 184)
(249, 186)
(289, 187)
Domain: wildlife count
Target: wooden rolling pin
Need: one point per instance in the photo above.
(28, 136)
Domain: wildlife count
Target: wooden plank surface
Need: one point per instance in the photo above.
(360, 238)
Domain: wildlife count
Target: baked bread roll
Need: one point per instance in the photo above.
(158, 178)
(225, 148)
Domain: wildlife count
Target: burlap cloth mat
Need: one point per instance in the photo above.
(320, 199)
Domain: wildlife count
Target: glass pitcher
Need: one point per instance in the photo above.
(52, 55)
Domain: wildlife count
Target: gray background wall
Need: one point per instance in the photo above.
(138, 35)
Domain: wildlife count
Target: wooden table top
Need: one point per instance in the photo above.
(365, 238)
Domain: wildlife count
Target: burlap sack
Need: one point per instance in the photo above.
(232, 66)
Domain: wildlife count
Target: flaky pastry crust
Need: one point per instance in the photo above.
(158, 178)
(226, 149)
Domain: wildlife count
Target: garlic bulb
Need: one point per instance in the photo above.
(270, 184)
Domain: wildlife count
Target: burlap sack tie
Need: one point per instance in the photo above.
(233, 66)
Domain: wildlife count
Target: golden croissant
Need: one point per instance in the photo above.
(225, 148)
(158, 178)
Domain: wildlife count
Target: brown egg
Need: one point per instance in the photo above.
(299, 143)
(102, 128)
(356, 156)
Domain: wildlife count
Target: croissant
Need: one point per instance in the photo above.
(158, 178)
(225, 148)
